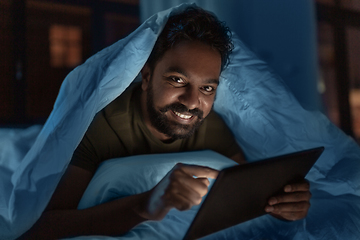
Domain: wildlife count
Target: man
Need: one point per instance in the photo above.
(170, 111)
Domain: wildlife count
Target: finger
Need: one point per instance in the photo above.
(288, 207)
(290, 216)
(204, 181)
(182, 203)
(177, 201)
(181, 196)
(290, 197)
(297, 187)
(180, 180)
(198, 171)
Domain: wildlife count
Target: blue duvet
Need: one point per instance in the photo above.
(263, 114)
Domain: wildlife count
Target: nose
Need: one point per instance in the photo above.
(190, 98)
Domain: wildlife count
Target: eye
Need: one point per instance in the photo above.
(208, 89)
(177, 79)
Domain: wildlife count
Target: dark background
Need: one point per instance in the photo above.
(41, 41)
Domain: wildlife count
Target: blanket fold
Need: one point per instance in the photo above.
(260, 110)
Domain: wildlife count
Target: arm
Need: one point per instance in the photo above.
(61, 219)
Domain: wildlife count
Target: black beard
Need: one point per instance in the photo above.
(171, 129)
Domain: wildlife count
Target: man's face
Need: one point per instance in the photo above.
(180, 91)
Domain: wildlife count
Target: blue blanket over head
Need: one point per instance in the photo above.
(262, 113)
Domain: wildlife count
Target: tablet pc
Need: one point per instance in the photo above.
(240, 193)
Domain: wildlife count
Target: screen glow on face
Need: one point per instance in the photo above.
(182, 88)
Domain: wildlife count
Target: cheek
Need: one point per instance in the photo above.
(164, 96)
(207, 104)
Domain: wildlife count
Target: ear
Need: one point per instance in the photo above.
(145, 76)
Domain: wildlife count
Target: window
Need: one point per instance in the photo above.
(353, 43)
(65, 46)
(327, 75)
(339, 55)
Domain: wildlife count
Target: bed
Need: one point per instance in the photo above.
(260, 110)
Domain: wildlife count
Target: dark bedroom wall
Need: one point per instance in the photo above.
(41, 41)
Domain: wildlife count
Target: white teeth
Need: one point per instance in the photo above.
(183, 116)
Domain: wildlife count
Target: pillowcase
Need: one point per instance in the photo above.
(121, 177)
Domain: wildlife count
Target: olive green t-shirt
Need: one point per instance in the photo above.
(119, 131)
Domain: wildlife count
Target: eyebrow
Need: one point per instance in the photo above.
(216, 81)
(182, 72)
(177, 70)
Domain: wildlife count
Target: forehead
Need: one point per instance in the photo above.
(193, 58)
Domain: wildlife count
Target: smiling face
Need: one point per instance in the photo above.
(180, 91)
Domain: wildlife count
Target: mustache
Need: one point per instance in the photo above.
(178, 107)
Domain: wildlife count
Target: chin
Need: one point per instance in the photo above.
(182, 132)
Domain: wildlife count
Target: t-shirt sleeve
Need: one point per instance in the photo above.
(84, 155)
(96, 146)
(220, 138)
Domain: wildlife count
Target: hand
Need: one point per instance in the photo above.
(293, 204)
(179, 189)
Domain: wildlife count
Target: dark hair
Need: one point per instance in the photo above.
(193, 24)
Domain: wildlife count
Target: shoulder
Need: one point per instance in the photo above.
(214, 130)
(122, 104)
(214, 121)
(101, 140)
(219, 137)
